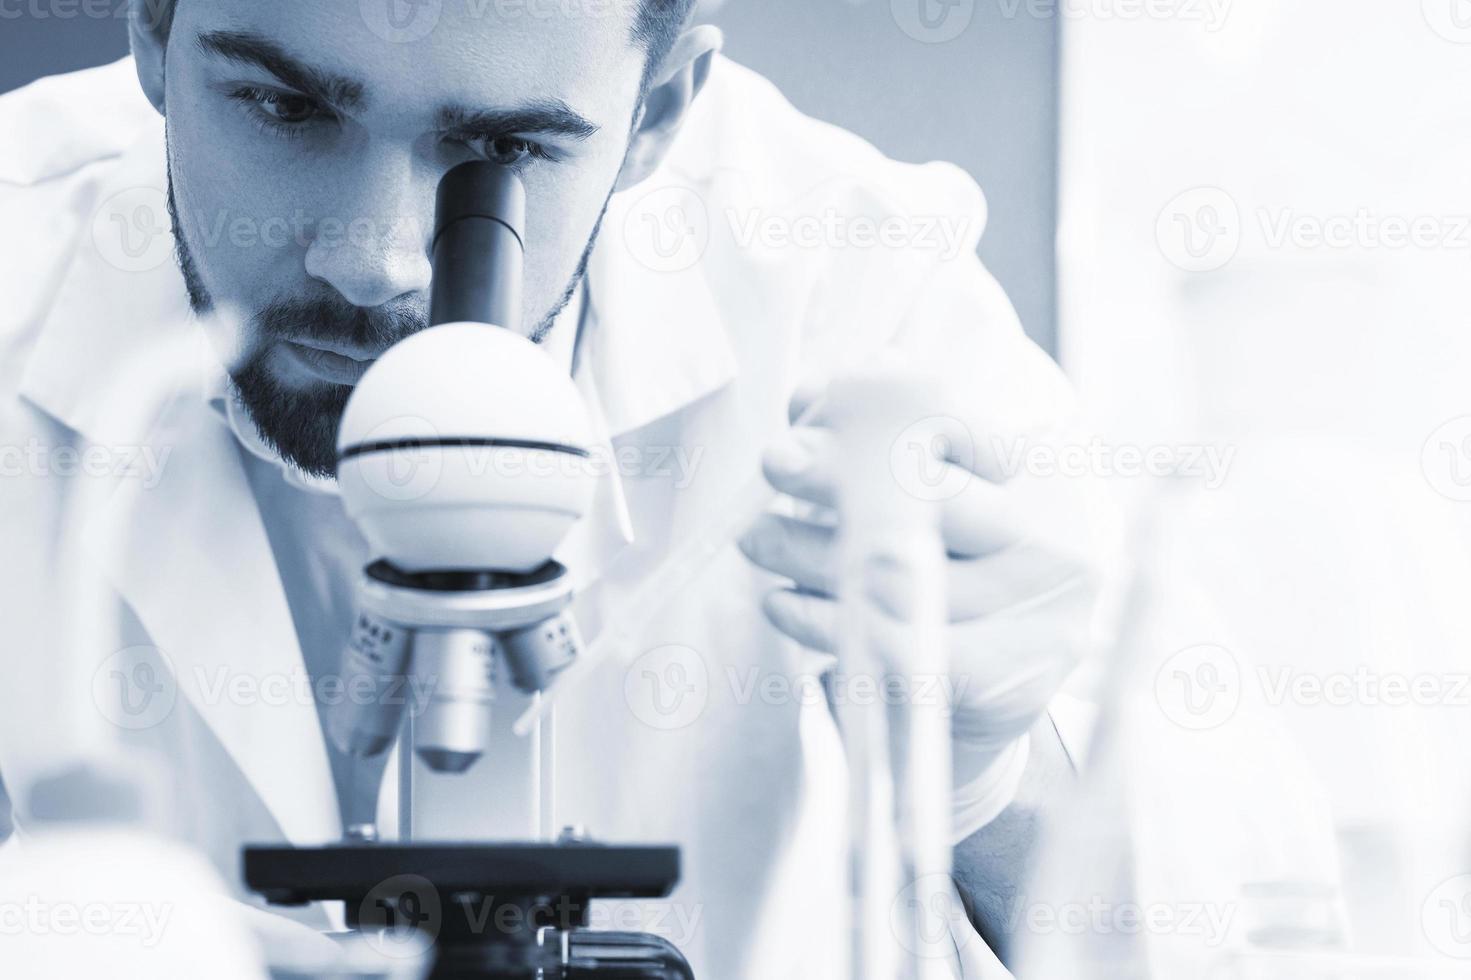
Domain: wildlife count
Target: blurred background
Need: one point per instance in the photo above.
(1244, 229)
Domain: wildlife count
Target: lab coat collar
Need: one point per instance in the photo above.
(658, 341)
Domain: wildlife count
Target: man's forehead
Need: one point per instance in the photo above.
(434, 54)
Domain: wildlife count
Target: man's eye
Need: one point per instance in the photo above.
(509, 150)
(282, 108)
(290, 108)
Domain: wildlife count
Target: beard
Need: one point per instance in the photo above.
(300, 423)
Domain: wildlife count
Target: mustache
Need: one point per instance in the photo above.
(335, 320)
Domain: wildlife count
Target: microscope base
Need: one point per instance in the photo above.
(499, 911)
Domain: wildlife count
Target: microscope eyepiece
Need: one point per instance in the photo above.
(480, 190)
(478, 248)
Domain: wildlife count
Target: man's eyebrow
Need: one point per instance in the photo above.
(550, 116)
(254, 50)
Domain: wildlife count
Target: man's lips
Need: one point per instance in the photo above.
(333, 363)
(333, 347)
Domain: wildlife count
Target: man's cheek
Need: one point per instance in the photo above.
(244, 244)
(559, 224)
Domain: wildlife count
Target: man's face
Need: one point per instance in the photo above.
(306, 142)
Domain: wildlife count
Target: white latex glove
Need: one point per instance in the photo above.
(1019, 602)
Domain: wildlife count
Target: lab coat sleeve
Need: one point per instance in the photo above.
(961, 326)
(922, 291)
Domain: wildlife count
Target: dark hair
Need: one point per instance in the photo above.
(656, 28)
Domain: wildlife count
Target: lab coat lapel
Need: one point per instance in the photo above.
(654, 343)
(194, 562)
(197, 569)
(597, 540)
(658, 341)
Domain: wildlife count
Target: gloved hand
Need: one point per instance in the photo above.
(1019, 600)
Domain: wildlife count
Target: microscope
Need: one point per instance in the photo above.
(461, 458)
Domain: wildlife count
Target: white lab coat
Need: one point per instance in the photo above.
(694, 351)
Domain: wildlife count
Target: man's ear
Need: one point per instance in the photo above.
(148, 30)
(668, 102)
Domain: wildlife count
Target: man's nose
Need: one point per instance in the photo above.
(375, 247)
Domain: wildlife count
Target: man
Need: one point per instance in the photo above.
(704, 261)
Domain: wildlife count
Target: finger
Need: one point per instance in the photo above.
(813, 620)
(810, 619)
(801, 464)
(954, 424)
(982, 518)
(1022, 577)
(804, 402)
(977, 517)
(794, 549)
